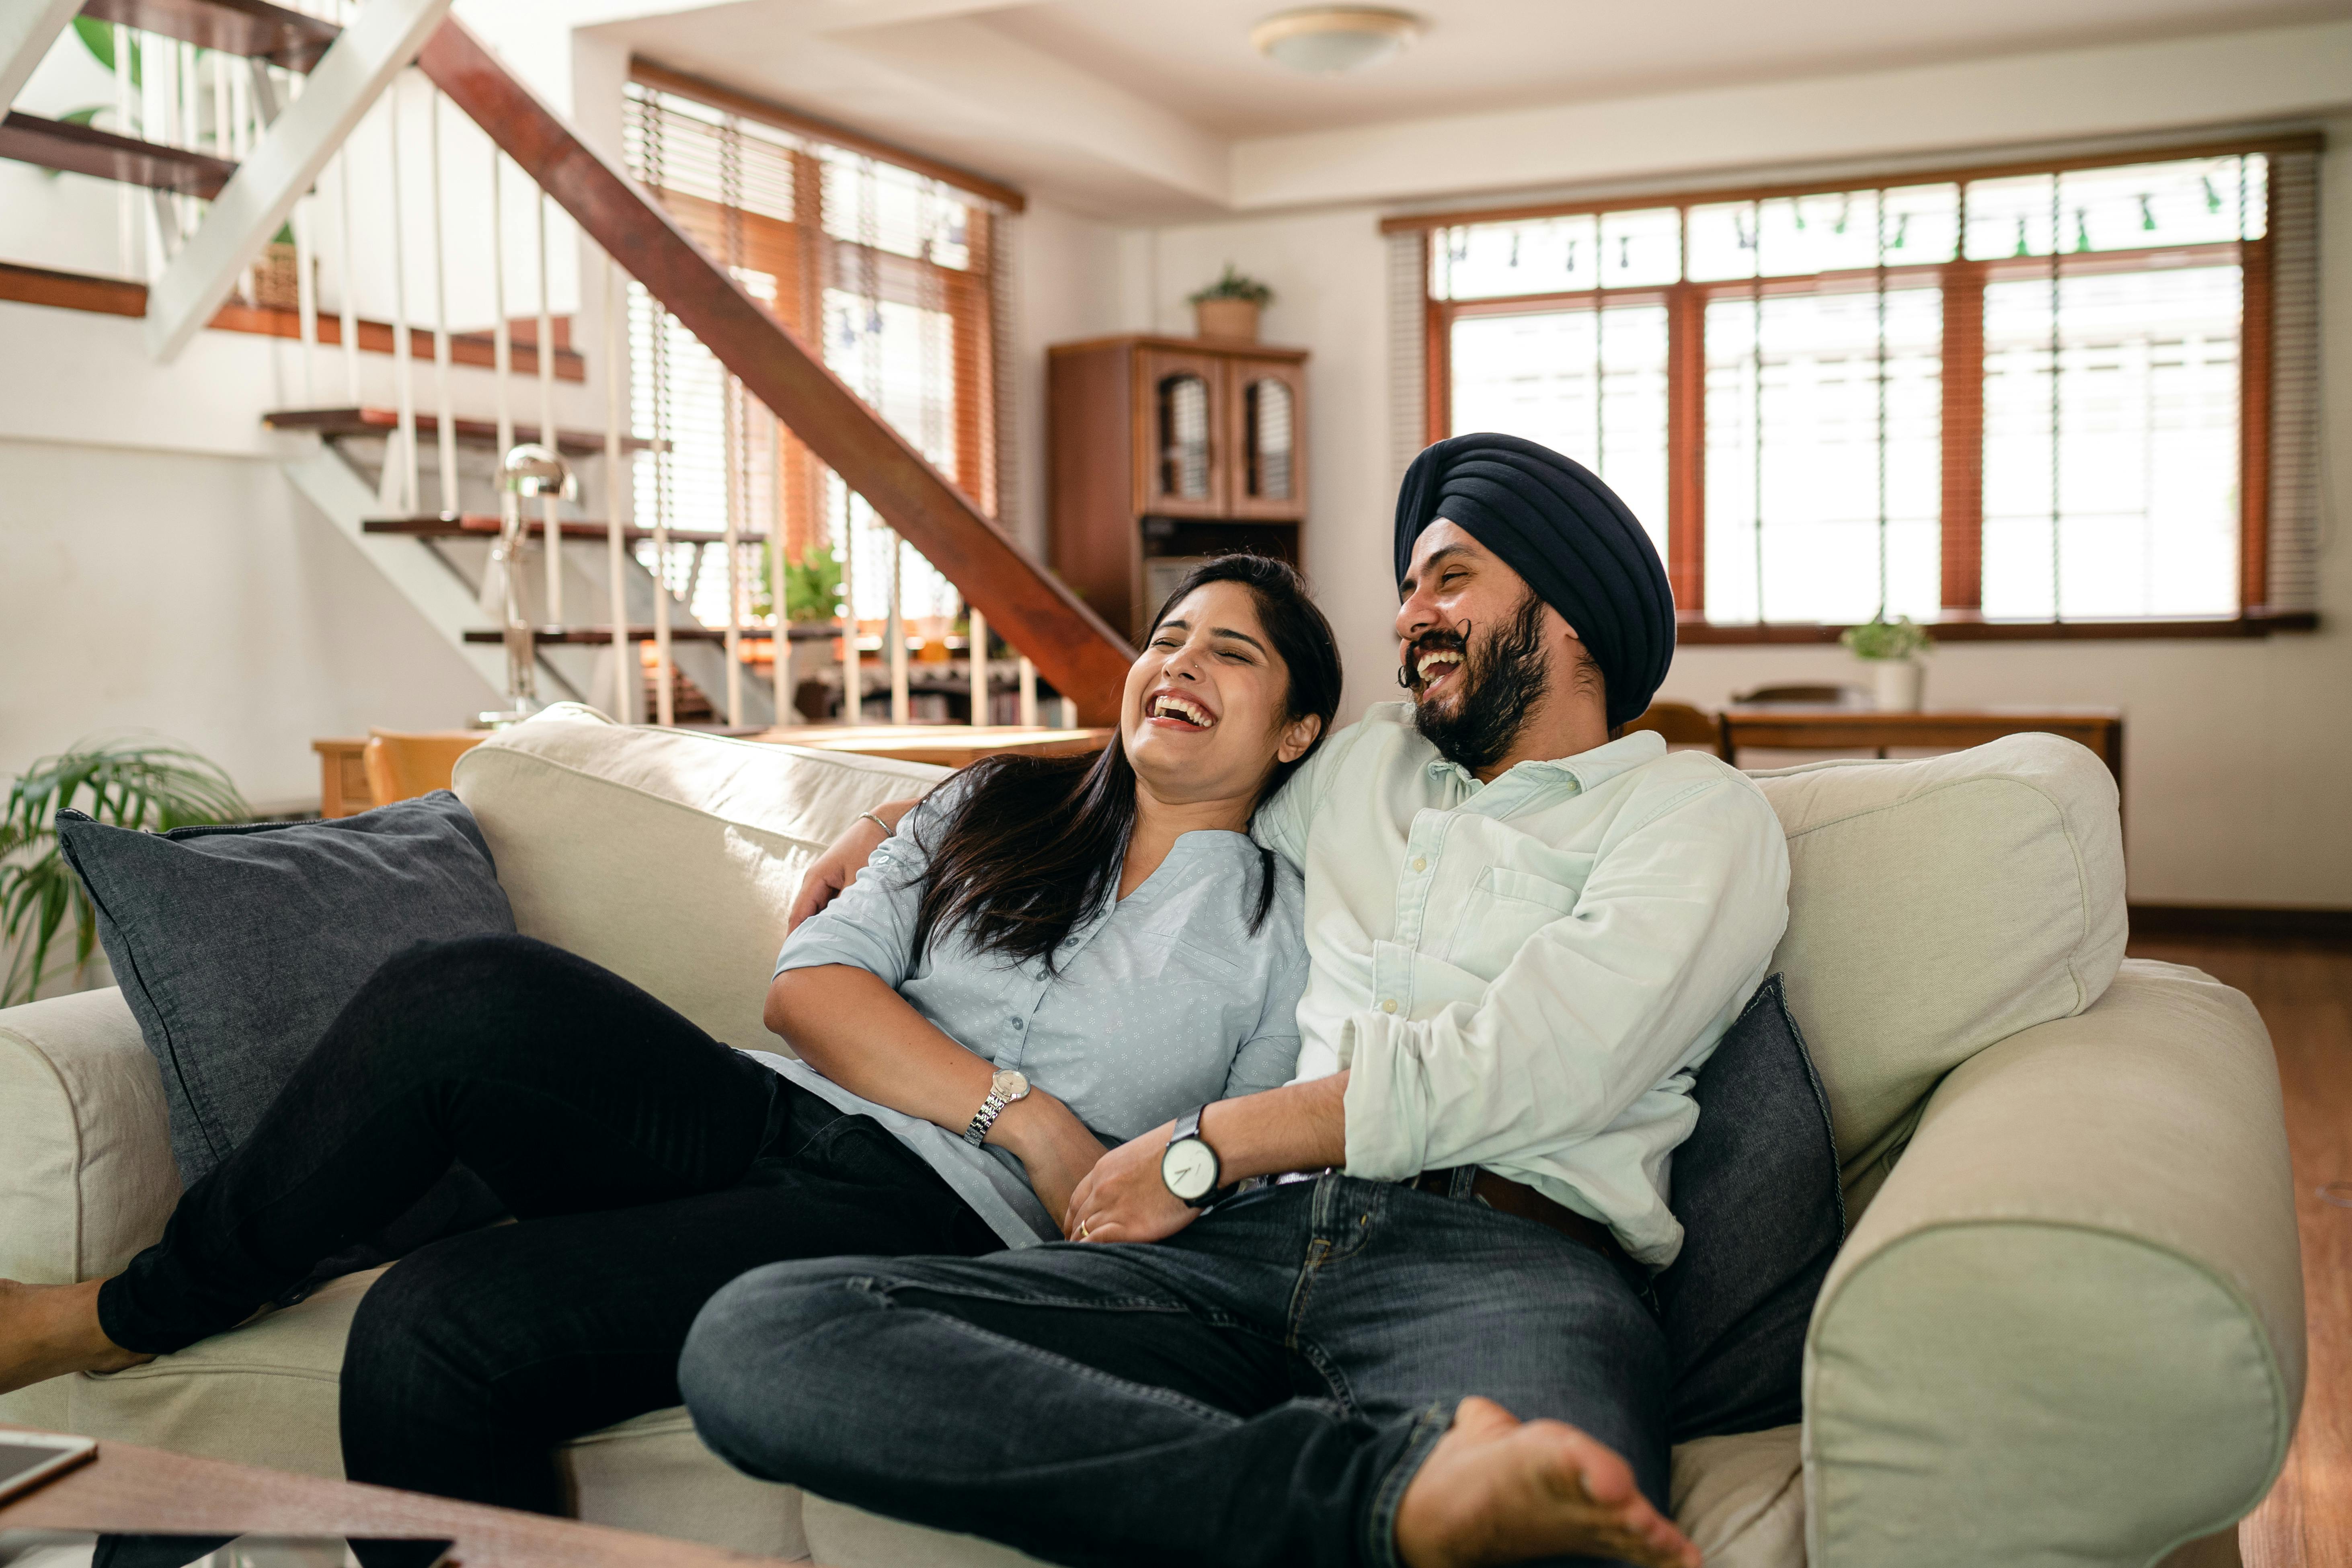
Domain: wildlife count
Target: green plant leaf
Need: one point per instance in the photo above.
(98, 37)
(129, 781)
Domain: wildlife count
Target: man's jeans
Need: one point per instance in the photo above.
(1258, 1389)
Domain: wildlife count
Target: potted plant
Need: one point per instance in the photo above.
(1892, 650)
(1228, 307)
(129, 781)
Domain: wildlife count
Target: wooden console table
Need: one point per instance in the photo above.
(1794, 728)
(130, 1489)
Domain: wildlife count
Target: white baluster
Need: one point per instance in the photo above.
(306, 302)
(780, 669)
(501, 334)
(730, 448)
(403, 364)
(628, 679)
(977, 654)
(552, 536)
(901, 706)
(853, 666)
(349, 325)
(1028, 694)
(447, 443)
(126, 207)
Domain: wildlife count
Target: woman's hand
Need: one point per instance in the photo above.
(1052, 1145)
(1124, 1198)
(843, 859)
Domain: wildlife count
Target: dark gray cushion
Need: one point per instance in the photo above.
(1757, 1189)
(236, 947)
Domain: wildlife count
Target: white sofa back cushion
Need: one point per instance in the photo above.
(1938, 905)
(668, 857)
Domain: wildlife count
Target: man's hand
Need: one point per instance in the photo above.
(1124, 1198)
(839, 865)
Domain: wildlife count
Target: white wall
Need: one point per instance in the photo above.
(2234, 750)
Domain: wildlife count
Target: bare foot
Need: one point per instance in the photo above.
(48, 1331)
(1497, 1489)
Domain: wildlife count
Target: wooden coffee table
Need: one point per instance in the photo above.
(130, 1489)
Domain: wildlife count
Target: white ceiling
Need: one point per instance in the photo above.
(1133, 108)
(1192, 57)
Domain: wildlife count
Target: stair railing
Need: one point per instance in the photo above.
(218, 112)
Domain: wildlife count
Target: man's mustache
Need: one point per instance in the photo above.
(1438, 639)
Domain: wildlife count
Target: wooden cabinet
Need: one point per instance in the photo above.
(1165, 451)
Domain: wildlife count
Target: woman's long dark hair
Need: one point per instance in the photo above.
(1035, 844)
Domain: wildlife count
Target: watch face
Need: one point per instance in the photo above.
(1008, 1086)
(1189, 1169)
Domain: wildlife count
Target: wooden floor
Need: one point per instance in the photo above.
(2304, 993)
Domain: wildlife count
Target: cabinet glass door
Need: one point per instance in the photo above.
(1184, 437)
(1266, 415)
(1183, 442)
(1269, 433)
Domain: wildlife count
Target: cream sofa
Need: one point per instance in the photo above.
(2066, 1327)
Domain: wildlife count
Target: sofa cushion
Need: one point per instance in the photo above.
(1755, 1188)
(1739, 1498)
(666, 856)
(236, 947)
(266, 1394)
(1937, 905)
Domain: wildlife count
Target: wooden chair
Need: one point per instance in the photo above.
(1681, 725)
(401, 766)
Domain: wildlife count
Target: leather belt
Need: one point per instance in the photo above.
(1521, 1201)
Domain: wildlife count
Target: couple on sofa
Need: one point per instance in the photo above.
(1358, 1070)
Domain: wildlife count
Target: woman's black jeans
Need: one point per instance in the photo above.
(644, 1164)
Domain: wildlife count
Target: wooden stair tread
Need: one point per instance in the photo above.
(479, 525)
(101, 154)
(333, 422)
(598, 636)
(254, 28)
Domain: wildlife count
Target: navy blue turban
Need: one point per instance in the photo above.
(1556, 524)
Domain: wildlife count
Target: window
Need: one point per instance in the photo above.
(2022, 397)
(887, 266)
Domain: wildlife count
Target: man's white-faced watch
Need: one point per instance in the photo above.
(1190, 1166)
(1003, 1090)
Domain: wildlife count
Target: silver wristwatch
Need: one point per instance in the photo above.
(1003, 1090)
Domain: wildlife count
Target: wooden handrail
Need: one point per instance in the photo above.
(1083, 658)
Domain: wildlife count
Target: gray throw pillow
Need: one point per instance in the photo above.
(1757, 1189)
(236, 947)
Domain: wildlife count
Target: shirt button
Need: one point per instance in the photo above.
(1388, 1004)
(1420, 863)
(1018, 1024)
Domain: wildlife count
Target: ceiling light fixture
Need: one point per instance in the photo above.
(1324, 40)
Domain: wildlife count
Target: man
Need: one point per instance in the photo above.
(1428, 1339)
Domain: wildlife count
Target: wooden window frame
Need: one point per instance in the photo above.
(1962, 282)
(805, 260)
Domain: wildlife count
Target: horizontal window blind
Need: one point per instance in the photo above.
(886, 270)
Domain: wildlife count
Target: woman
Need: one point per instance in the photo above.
(1102, 924)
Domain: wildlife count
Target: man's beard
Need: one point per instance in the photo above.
(1504, 676)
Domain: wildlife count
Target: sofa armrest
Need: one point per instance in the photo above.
(86, 1171)
(2070, 1327)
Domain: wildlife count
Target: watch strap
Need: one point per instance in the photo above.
(985, 1118)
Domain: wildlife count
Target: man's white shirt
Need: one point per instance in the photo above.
(1527, 974)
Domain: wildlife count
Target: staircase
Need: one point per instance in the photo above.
(414, 488)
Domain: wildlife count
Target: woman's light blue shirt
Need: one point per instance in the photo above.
(1164, 1000)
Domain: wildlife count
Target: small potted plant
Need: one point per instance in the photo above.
(1892, 649)
(1228, 307)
